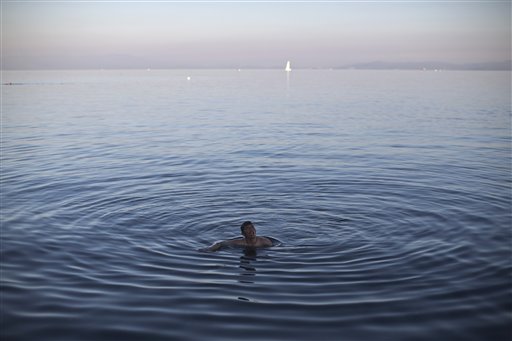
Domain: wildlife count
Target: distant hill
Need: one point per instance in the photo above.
(378, 65)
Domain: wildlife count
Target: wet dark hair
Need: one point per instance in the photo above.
(244, 225)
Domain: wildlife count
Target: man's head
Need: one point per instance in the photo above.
(248, 229)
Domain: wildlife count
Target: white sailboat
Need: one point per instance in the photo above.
(288, 68)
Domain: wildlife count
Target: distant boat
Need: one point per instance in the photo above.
(288, 68)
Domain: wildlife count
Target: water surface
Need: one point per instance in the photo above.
(389, 192)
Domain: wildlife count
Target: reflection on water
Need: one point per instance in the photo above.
(248, 268)
(247, 264)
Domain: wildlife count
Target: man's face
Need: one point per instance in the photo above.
(249, 231)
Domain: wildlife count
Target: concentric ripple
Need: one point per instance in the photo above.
(392, 221)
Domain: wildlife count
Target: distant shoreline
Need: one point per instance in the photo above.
(263, 69)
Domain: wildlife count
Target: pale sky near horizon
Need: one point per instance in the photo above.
(236, 34)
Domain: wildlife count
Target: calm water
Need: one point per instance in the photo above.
(390, 192)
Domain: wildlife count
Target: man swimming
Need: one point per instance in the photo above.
(249, 240)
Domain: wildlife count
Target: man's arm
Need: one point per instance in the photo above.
(213, 248)
(217, 246)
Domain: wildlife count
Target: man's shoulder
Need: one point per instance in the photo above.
(235, 241)
(265, 241)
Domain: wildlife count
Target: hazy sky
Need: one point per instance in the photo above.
(236, 34)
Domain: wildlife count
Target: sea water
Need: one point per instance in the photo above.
(389, 193)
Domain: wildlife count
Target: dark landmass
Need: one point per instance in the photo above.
(378, 65)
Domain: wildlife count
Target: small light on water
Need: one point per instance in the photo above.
(188, 78)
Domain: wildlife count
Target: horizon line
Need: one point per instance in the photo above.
(260, 68)
(256, 1)
(367, 65)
